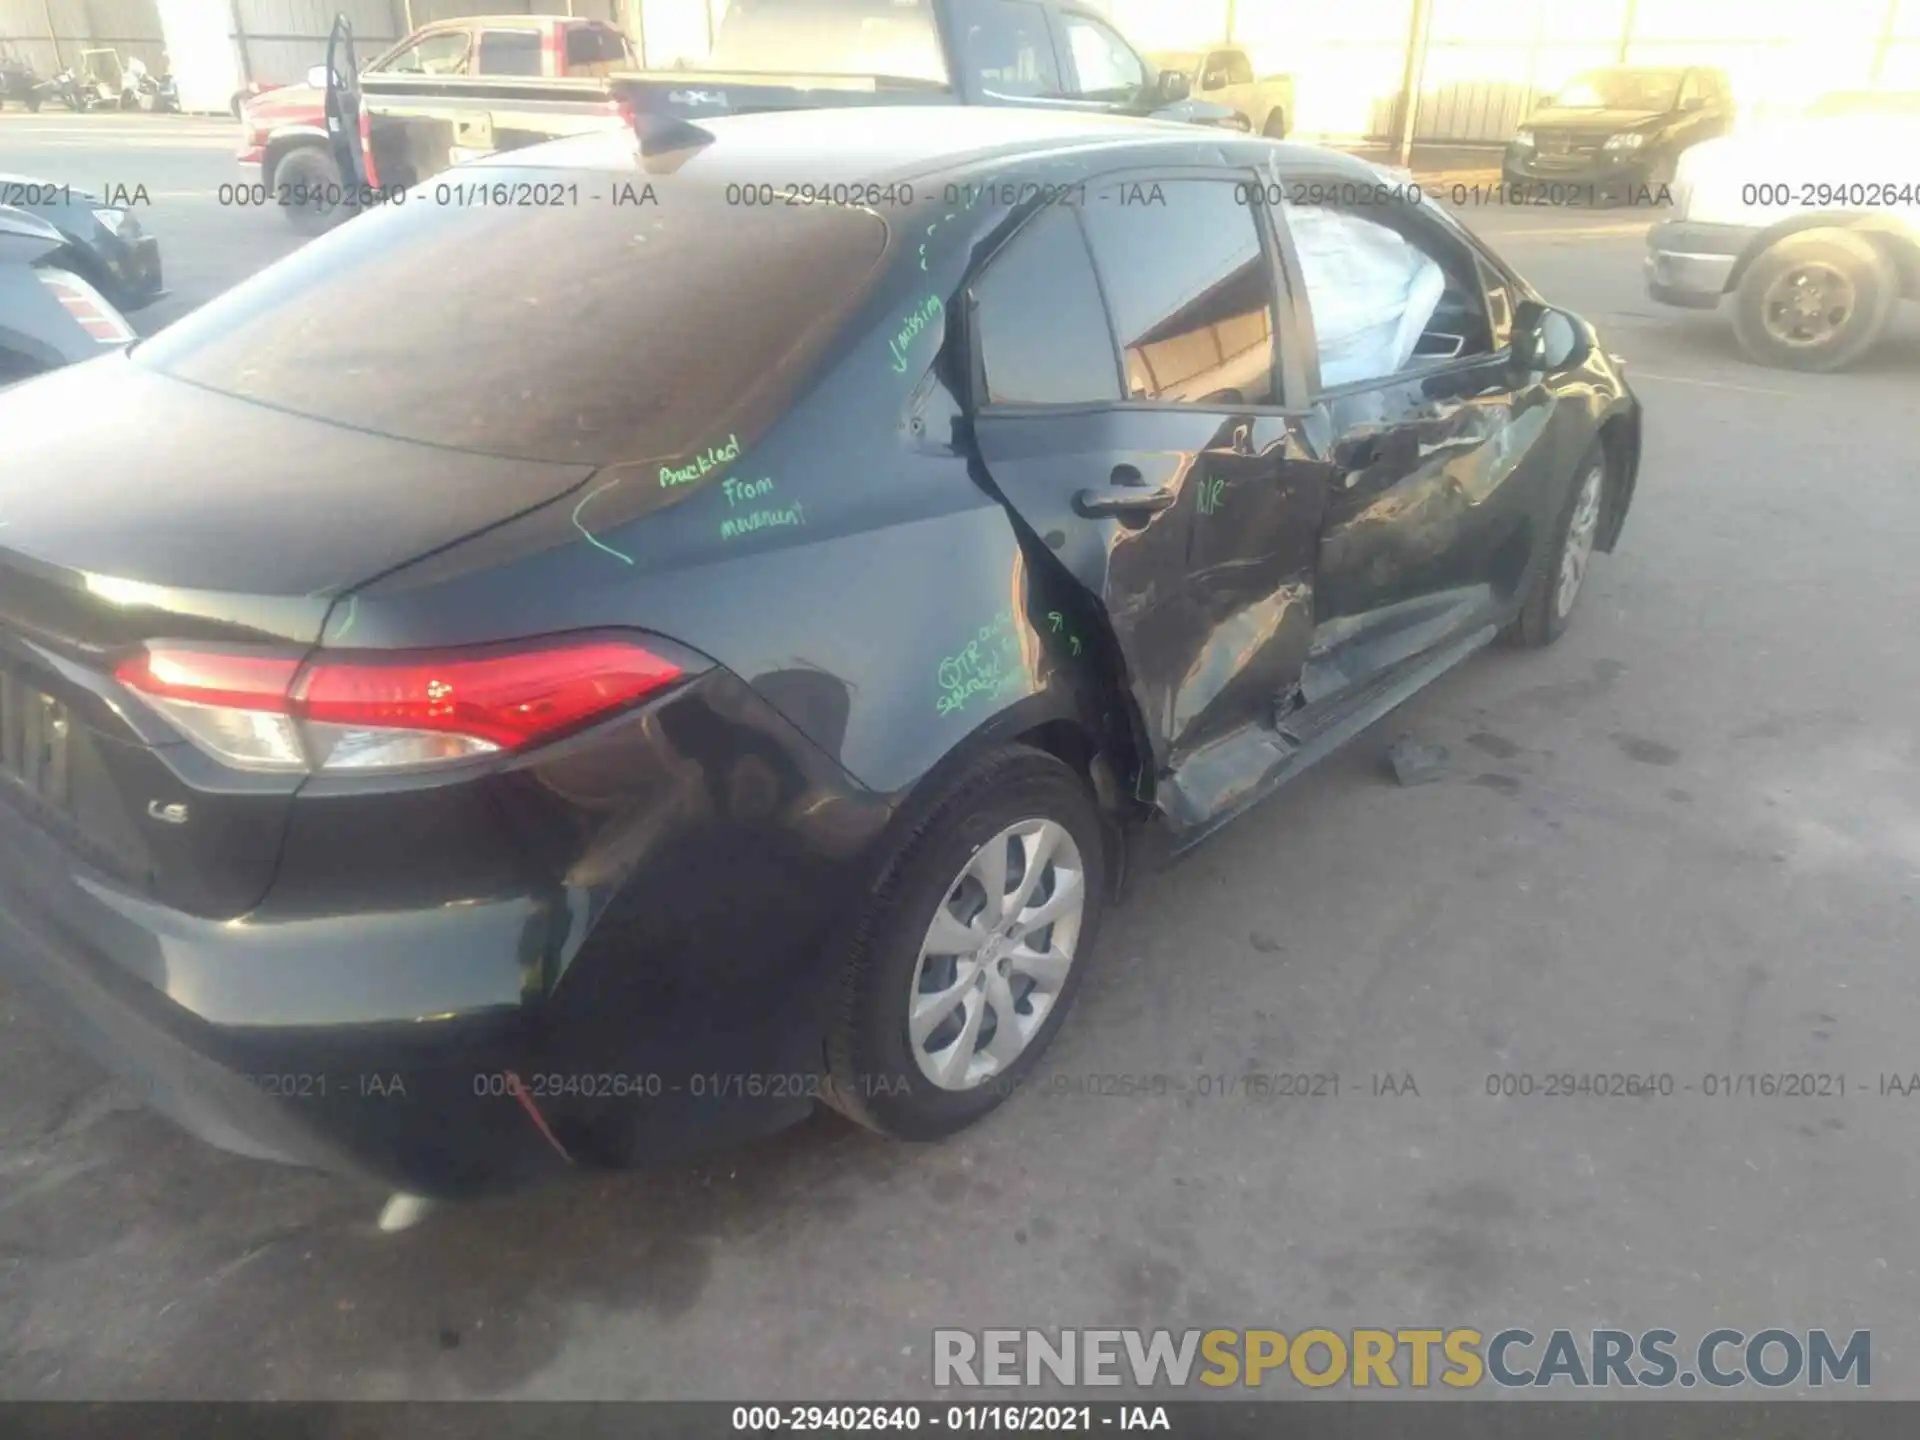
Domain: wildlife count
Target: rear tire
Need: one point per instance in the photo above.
(1561, 578)
(1039, 817)
(1817, 300)
(309, 169)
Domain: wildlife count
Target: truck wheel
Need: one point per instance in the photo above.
(1276, 126)
(309, 173)
(1816, 300)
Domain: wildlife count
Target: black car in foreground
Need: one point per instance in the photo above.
(1617, 133)
(590, 664)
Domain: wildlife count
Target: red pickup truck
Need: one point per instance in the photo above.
(286, 133)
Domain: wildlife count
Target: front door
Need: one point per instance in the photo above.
(1131, 418)
(1438, 466)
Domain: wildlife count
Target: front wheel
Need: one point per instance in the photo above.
(1817, 300)
(1558, 583)
(1276, 126)
(308, 184)
(970, 949)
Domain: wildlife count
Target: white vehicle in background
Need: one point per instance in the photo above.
(1224, 75)
(1811, 224)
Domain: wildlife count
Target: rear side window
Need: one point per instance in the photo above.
(1009, 51)
(1190, 288)
(574, 332)
(509, 52)
(1042, 334)
(596, 45)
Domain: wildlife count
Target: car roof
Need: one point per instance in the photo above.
(880, 143)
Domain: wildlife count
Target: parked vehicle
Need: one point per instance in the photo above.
(438, 100)
(102, 240)
(1224, 75)
(65, 88)
(1807, 223)
(1618, 132)
(286, 128)
(19, 82)
(49, 315)
(104, 79)
(565, 700)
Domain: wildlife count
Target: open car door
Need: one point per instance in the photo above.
(346, 117)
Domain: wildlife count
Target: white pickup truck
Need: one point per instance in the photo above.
(1223, 75)
(1812, 225)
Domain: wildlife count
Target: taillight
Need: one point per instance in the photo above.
(87, 305)
(264, 711)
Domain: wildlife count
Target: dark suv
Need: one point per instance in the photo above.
(1615, 129)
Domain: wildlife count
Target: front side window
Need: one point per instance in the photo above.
(1106, 67)
(441, 54)
(1189, 287)
(1040, 328)
(509, 52)
(1386, 299)
(1009, 50)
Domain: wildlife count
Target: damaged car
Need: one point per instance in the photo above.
(575, 683)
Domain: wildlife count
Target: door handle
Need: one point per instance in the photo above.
(1122, 500)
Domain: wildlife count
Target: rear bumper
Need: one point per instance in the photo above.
(1689, 264)
(438, 1004)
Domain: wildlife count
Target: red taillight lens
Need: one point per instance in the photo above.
(509, 700)
(265, 712)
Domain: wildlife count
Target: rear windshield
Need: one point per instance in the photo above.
(582, 331)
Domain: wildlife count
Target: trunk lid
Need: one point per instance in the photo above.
(134, 507)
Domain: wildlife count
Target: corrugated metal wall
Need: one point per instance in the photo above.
(1486, 60)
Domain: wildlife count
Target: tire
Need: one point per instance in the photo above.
(33, 103)
(876, 1075)
(1778, 315)
(312, 168)
(1547, 610)
(1276, 126)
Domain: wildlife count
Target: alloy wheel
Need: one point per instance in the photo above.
(1582, 527)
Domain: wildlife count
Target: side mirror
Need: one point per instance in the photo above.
(1546, 340)
(1174, 86)
(317, 77)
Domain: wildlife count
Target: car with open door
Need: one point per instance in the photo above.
(573, 684)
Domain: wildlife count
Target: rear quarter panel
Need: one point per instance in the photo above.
(845, 562)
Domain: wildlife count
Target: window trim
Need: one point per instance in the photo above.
(1290, 376)
(1438, 224)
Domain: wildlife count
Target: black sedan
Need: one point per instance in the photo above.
(590, 663)
(106, 244)
(1617, 133)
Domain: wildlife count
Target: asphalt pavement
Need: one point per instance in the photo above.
(1684, 842)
